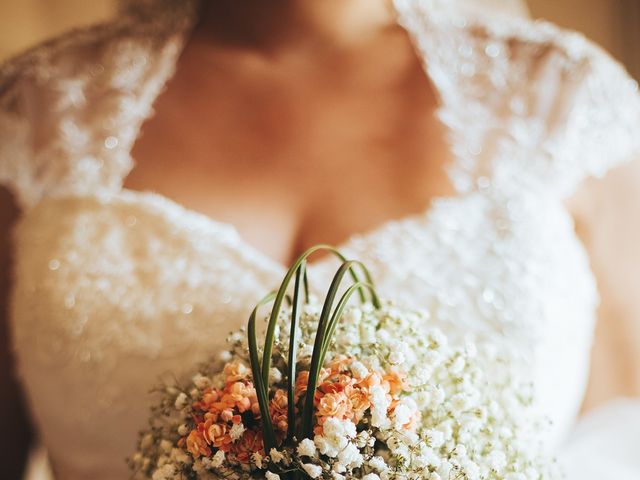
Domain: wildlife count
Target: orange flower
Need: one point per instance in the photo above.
(336, 384)
(238, 395)
(371, 380)
(413, 422)
(196, 444)
(358, 403)
(248, 444)
(278, 409)
(333, 405)
(301, 384)
(340, 364)
(217, 434)
(227, 415)
(236, 371)
(397, 382)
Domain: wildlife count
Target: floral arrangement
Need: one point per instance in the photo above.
(339, 391)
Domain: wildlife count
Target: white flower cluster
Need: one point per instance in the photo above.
(462, 412)
(476, 416)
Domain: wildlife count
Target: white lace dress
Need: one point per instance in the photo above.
(113, 288)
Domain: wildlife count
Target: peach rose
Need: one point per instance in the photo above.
(196, 444)
(397, 382)
(333, 405)
(278, 409)
(358, 403)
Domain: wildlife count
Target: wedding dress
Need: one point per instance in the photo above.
(114, 288)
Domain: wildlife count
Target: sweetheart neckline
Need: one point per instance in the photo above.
(277, 265)
(419, 54)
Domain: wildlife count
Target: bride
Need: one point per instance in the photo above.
(450, 147)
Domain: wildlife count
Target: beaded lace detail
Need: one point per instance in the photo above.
(115, 288)
(70, 110)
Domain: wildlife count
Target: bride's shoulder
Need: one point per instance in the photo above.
(45, 96)
(533, 44)
(561, 92)
(132, 38)
(70, 107)
(78, 51)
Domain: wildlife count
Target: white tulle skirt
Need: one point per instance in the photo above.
(604, 445)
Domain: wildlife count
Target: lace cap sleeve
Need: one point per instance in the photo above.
(71, 109)
(571, 110)
(601, 128)
(48, 96)
(529, 106)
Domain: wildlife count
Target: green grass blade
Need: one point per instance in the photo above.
(293, 354)
(277, 304)
(314, 370)
(261, 388)
(337, 315)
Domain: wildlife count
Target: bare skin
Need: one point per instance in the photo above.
(306, 122)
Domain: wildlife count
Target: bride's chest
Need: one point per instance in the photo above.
(293, 165)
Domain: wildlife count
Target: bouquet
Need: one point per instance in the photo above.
(343, 391)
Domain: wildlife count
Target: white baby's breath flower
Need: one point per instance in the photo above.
(180, 456)
(306, 448)
(371, 476)
(434, 438)
(314, 471)
(275, 375)
(458, 365)
(257, 459)
(379, 407)
(166, 445)
(350, 456)
(396, 357)
(358, 369)
(236, 337)
(166, 472)
(201, 382)
(236, 431)
(225, 356)
(218, 459)
(276, 456)
(378, 463)
(497, 460)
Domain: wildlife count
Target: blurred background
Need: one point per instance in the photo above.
(615, 24)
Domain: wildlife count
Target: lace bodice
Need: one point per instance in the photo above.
(114, 288)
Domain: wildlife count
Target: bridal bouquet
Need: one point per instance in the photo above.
(340, 391)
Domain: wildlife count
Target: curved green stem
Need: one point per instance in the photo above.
(268, 433)
(301, 275)
(337, 315)
(277, 304)
(317, 356)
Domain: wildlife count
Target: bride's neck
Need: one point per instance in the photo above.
(271, 24)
